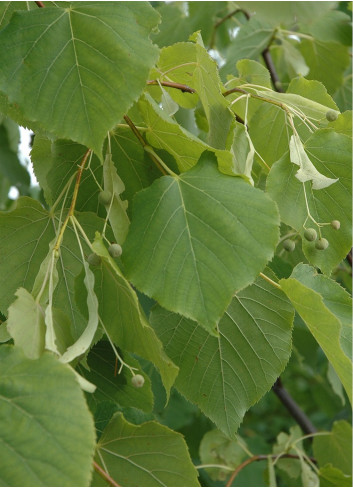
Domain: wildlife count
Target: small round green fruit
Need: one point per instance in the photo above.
(105, 197)
(321, 244)
(137, 380)
(310, 234)
(94, 260)
(289, 245)
(115, 250)
(335, 224)
(331, 115)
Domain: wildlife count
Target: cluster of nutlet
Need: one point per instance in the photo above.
(310, 234)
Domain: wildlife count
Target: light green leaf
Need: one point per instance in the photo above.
(165, 133)
(36, 449)
(124, 320)
(145, 455)
(199, 229)
(307, 171)
(331, 154)
(4, 335)
(254, 73)
(113, 386)
(207, 84)
(284, 444)
(87, 52)
(225, 375)
(291, 58)
(252, 38)
(335, 448)
(327, 61)
(26, 324)
(343, 123)
(116, 209)
(311, 294)
(218, 449)
(332, 477)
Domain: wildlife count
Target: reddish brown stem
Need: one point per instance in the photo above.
(257, 458)
(179, 86)
(40, 4)
(105, 476)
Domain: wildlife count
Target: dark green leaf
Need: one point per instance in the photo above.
(199, 229)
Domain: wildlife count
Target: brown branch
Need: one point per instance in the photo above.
(220, 22)
(40, 4)
(271, 68)
(105, 476)
(257, 458)
(179, 86)
(143, 143)
(296, 412)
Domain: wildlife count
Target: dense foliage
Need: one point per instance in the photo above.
(188, 243)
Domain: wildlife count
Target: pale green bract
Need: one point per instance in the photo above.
(307, 170)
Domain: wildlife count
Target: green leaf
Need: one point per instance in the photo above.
(332, 477)
(327, 61)
(252, 38)
(26, 324)
(136, 169)
(37, 449)
(145, 455)
(163, 132)
(199, 229)
(330, 152)
(226, 375)
(333, 25)
(116, 209)
(124, 320)
(308, 476)
(217, 449)
(335, 448)
(250, 71)
(343, 123)
(87, 52)
(343, 96)
(323, 306)
(113, 386)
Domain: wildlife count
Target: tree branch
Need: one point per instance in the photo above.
(179, 86)
(258, 458)
(296, 412)
(105, 476)
(271, 68)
